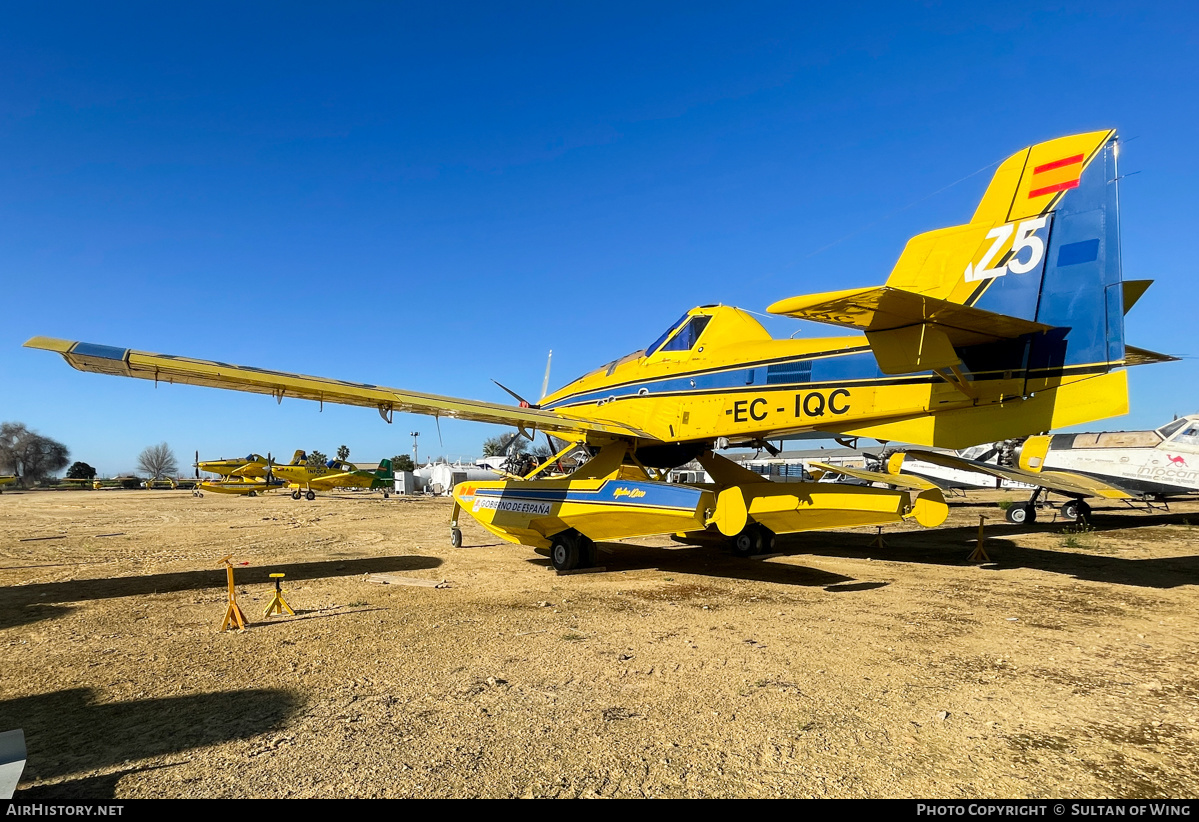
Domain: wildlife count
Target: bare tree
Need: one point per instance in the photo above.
(29, 455)
(158, 461)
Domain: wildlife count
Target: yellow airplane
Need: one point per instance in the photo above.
(6, 480)
(250, 466)
(306, 480)
(245, 486)
(1008, 325)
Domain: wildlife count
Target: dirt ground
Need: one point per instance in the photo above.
(835, 668)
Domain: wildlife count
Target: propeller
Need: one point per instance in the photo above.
(523, 402)
(270, 469)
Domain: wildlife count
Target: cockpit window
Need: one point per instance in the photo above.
(653, 349)
(686, 339)
(1169, 428)
(1189, 436)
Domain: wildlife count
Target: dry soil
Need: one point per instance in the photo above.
(835, 668)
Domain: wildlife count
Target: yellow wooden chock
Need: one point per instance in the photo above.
(233, 614)
(278, 604)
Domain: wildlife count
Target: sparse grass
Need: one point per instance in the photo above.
(1004, 504)
(358, 603)
(573, 637)
(1077, 535)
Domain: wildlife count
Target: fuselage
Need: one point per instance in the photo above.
(718, 373)
(1162, 462)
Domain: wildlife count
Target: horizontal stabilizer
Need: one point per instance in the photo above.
(886, 309)
(1143, 356)
(1064, 482)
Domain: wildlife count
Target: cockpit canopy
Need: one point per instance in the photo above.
(1184, 430)
(686, 339)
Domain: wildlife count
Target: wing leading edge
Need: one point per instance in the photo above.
(124, 362)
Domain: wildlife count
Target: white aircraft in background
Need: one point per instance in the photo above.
(1133, 466)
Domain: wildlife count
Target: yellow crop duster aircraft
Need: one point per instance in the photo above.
(306, 480)
(1010, 324)
(7, 479)
(250, 466)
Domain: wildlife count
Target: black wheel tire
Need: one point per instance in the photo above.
(564, 552)
(1070, 509)
(386, 495)
(1084, 512)
(749, 541)
(253, 493)
(455, 538)
(1017, 514)
(310, 496)
(588, 553)
(295, 494)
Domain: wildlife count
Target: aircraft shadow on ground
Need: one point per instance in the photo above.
(952, 546)
(69, 732)
(712, 562)
(24, 604)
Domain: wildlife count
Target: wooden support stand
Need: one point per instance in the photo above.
(233, 614)
(979, 554)
(278, 604)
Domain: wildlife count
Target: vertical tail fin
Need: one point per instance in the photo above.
(1043, 245)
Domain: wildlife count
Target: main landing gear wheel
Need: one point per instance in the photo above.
(310, 496)
(253, 493)
(1076, 510)
(753, 539)
(295, 495)
(570, 550)
(1021, 513)
(455, 537)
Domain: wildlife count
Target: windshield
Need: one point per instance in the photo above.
(1169, 428)
(649, 352)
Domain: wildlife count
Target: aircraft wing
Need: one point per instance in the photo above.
(1064, 482)
(125, 362)
(911, 483)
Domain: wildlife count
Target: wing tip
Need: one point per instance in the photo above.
(50, 344)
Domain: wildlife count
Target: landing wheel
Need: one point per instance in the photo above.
(1076, 510)
(753, 539)
(455, 537)
(253, 493)
(386, 494)
(564, 551)
(310, 496)
(295, 495)
(1021, 513)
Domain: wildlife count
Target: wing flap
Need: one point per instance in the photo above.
(885, 309)
(279, 384)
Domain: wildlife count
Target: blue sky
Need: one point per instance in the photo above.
(429, 196)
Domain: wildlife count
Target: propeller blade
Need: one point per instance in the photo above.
(545, 384)
(523, 402)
